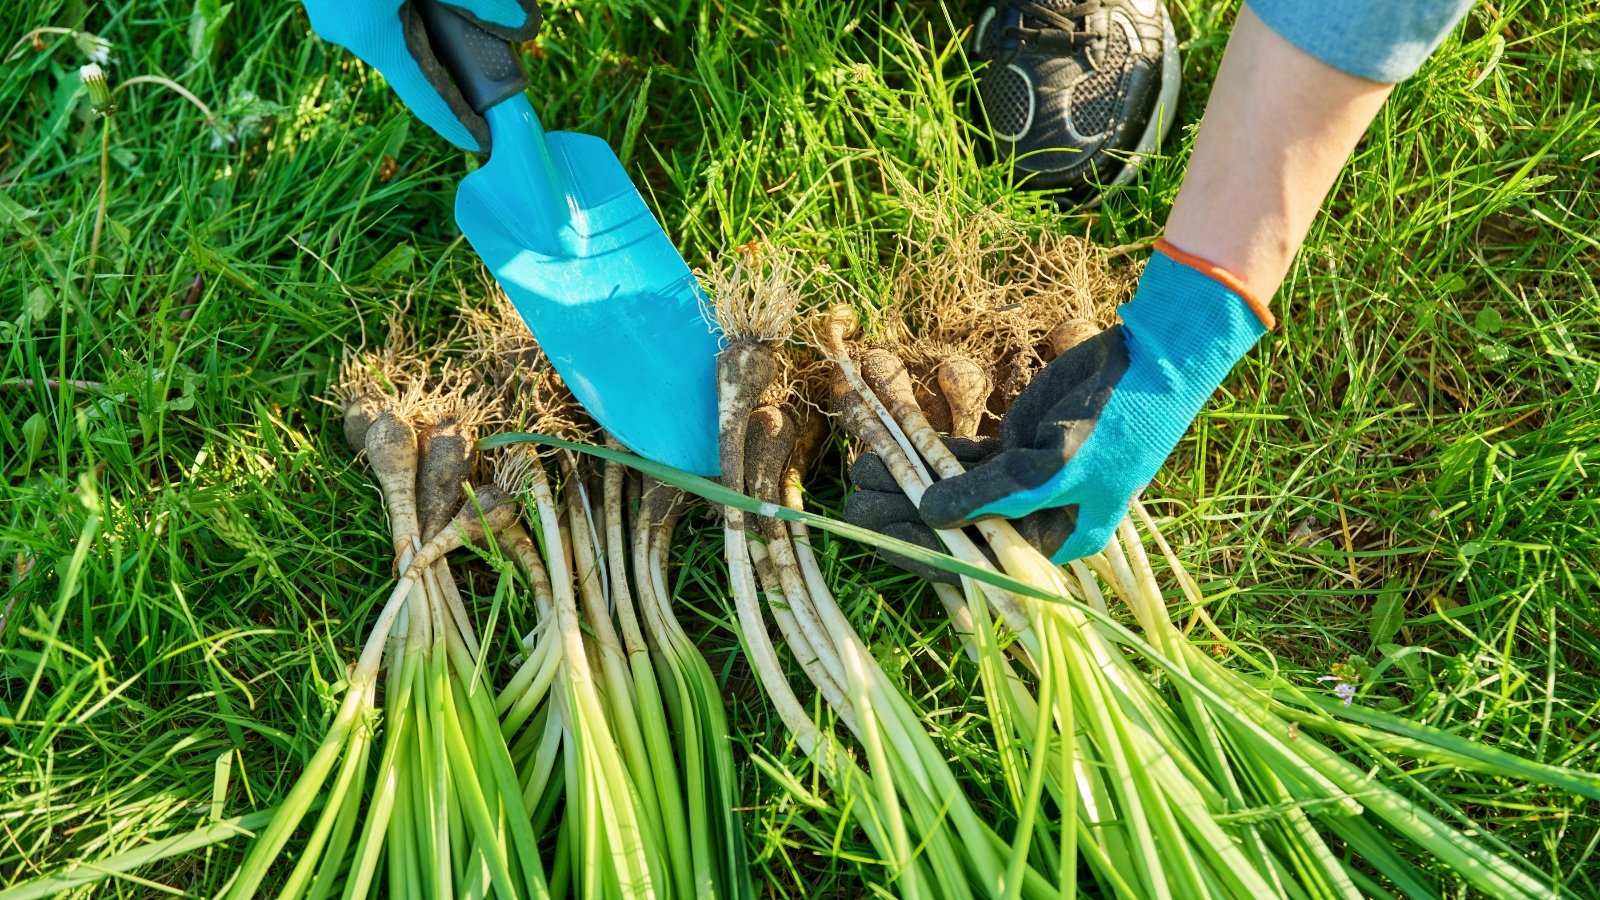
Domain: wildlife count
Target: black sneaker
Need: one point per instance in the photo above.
(1076, 91)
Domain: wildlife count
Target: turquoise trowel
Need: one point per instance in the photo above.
(566, 234)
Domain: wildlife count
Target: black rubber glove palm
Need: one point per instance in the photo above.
(1097, 423)
(1046, 424)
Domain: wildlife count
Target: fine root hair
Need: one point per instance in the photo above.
(756, 297)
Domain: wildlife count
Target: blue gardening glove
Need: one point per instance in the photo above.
(1095, 425)
(388, 35)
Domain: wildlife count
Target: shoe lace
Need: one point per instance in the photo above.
(1036, 25)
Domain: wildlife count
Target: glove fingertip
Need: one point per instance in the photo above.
(945, 505)
(916, 534)
(461, 127)
(1090, 537)
(869, 473)
(426, 88)
(981, 494)
(877, 510)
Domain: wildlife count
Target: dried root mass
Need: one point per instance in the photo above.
(997, 299)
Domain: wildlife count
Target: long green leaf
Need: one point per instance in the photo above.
(82, 874)
(716, 493)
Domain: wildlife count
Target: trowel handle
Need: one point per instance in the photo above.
(483, 66)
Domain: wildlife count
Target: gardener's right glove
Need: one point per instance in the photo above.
(1095, 425)
(388, 35)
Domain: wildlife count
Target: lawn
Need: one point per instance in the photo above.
(1399, 486)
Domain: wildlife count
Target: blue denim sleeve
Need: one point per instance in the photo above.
(1380, 40)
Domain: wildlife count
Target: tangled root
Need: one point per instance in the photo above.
(987, 301)
(757, 297)
(521, 390)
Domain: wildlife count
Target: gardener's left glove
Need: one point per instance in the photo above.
(1095, 425)
(389, 36)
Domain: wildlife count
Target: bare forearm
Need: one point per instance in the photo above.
(1278, 128)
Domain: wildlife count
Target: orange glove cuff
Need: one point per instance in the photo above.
(1223, 276)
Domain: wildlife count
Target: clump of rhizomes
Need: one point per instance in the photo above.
(603, 765)
(612, 705)
(611, 687)
(908, 800)
(443, 785)
(1152, 779)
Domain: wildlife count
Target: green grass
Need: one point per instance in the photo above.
(1394, 483)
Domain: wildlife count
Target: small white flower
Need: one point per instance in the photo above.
(94, 80)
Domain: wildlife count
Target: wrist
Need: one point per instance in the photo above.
(1277, 129)
(1193, 317)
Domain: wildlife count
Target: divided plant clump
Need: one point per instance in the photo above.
(602, 767)
(437, 820)
(908, 800)
(1122, 742)
(1169, 774)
